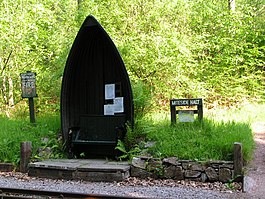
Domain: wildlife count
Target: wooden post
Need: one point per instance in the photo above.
(173, 113)
(31, 110)
(25, 154)
(238, 159)
(200, 112)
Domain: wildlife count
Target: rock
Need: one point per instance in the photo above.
(248, 184)
(203, 177)
(174, 172)
(140, 173)
(154, 165)
(179, 174)
(6, 167)
(171, 168)
(169, 172)
(171, 161)
(44, 151)
(192, 174)
(216, 164)
(184, 161)
(211, 174)
(225, 174)
(149, 144)
(197, 166)
(44, 140)
(139, 163)
(156, 168)
(229, 166)
(186, 165)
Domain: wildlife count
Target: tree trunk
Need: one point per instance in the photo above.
(4, 89)
(10, 92)
(232, 5)
(78, 4)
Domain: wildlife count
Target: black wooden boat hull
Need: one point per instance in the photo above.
(93, 64)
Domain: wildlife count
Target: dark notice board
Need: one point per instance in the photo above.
(28, 85)
(198, 102)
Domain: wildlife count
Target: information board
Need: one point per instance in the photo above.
(186, 102)
(28, 84)
(186, 115)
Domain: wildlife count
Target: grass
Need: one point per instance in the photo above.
(15, 131)
(207, 140)
(211, 139)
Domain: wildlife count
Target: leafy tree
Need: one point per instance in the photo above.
(34, 37)
(229, 53)
(177, 49)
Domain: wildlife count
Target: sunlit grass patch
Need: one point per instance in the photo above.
(211, 139)
(206, 140)
(15, 131)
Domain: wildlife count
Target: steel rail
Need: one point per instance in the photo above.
(26, 193)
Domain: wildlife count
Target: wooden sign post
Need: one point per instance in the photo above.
(186, 102)
(28, 86)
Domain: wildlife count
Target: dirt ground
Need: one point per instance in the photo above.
(255, 178)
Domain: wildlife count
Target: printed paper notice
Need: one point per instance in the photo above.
(186, 116)
(109, 109)
(118, 105)
(109, 91)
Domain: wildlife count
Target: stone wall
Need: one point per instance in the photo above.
(171, 168)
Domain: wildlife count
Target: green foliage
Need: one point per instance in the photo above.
(142, 96)
(127, 154)
(247, 113)
(15, 131)
(211, 139)
(171, 49)
(34, 35)
(208, 140)
(174, 48)
(136, 135)
(228, 54)
(231, 184)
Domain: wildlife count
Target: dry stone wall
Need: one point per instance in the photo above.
(171, 168)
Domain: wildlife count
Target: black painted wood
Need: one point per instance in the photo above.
(92, 62)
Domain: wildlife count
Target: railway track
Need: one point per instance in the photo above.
(41, 194)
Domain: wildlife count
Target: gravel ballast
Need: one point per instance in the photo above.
(132, 187)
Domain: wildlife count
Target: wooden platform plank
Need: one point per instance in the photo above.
(90, 170)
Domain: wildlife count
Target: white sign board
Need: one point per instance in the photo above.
(186, 116)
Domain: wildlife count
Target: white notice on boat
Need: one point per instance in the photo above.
(118, 105)
(109, 109)
(109, 91)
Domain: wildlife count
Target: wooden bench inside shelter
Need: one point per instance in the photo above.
(99, 130)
